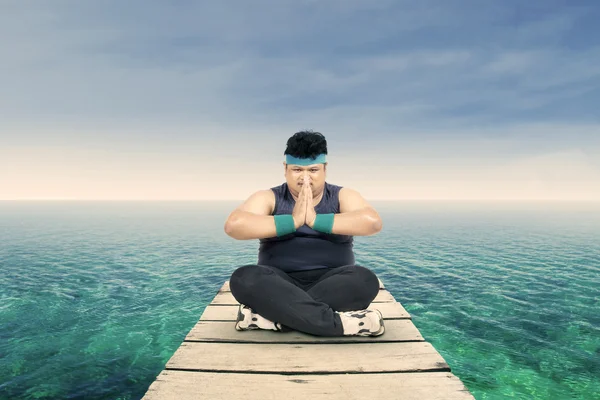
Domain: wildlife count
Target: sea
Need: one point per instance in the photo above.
(95, 297)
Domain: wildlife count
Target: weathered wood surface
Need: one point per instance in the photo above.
(215, 361)
(184, 385)
(308, 358)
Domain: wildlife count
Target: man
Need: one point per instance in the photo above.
(306, 278)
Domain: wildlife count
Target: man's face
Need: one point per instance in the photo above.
(296, 175)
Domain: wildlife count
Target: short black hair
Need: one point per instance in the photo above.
(306, 144)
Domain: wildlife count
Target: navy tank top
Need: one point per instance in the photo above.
(306, 249)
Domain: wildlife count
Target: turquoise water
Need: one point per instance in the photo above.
(96, 297)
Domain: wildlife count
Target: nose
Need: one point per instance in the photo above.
(305, 178)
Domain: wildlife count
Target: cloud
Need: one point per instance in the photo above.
(212, 62)
(439, 84)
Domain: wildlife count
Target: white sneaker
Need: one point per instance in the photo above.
(362, 323)
(247, 320)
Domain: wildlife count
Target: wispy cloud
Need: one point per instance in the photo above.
(453, 80)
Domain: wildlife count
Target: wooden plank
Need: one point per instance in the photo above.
(229, 313)
(183, 385)
(308, 358)
(215, 361)
(226, 298)
(396, 330)
(225, 287)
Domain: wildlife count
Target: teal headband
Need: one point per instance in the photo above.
(291, 160)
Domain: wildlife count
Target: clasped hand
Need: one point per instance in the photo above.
(304, 210)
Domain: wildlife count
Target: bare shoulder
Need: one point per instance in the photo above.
(352, 200)
(261, 202)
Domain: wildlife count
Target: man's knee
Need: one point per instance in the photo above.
(246, 276)
(369, 278)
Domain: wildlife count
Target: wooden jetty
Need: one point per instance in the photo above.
(215, 361)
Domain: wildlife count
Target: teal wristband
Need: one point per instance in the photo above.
(323, 223)
(284, 224)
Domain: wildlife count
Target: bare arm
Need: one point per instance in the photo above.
(357, 217)
(252, 219)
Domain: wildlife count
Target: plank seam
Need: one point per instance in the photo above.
(332, 341)
(308, 372)
(234, 320)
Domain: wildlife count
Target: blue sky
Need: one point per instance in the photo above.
(440, 99)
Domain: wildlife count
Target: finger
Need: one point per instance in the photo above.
(303, 194)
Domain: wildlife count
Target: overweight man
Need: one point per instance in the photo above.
(305, 278)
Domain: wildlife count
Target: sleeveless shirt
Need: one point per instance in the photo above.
(306, 249)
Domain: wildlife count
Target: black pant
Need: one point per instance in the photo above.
(305, 301)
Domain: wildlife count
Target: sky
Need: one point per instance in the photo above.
(187, 100)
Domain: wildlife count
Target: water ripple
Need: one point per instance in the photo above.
(95, 298)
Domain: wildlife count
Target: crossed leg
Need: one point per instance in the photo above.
(276, 296)
(347, 288)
